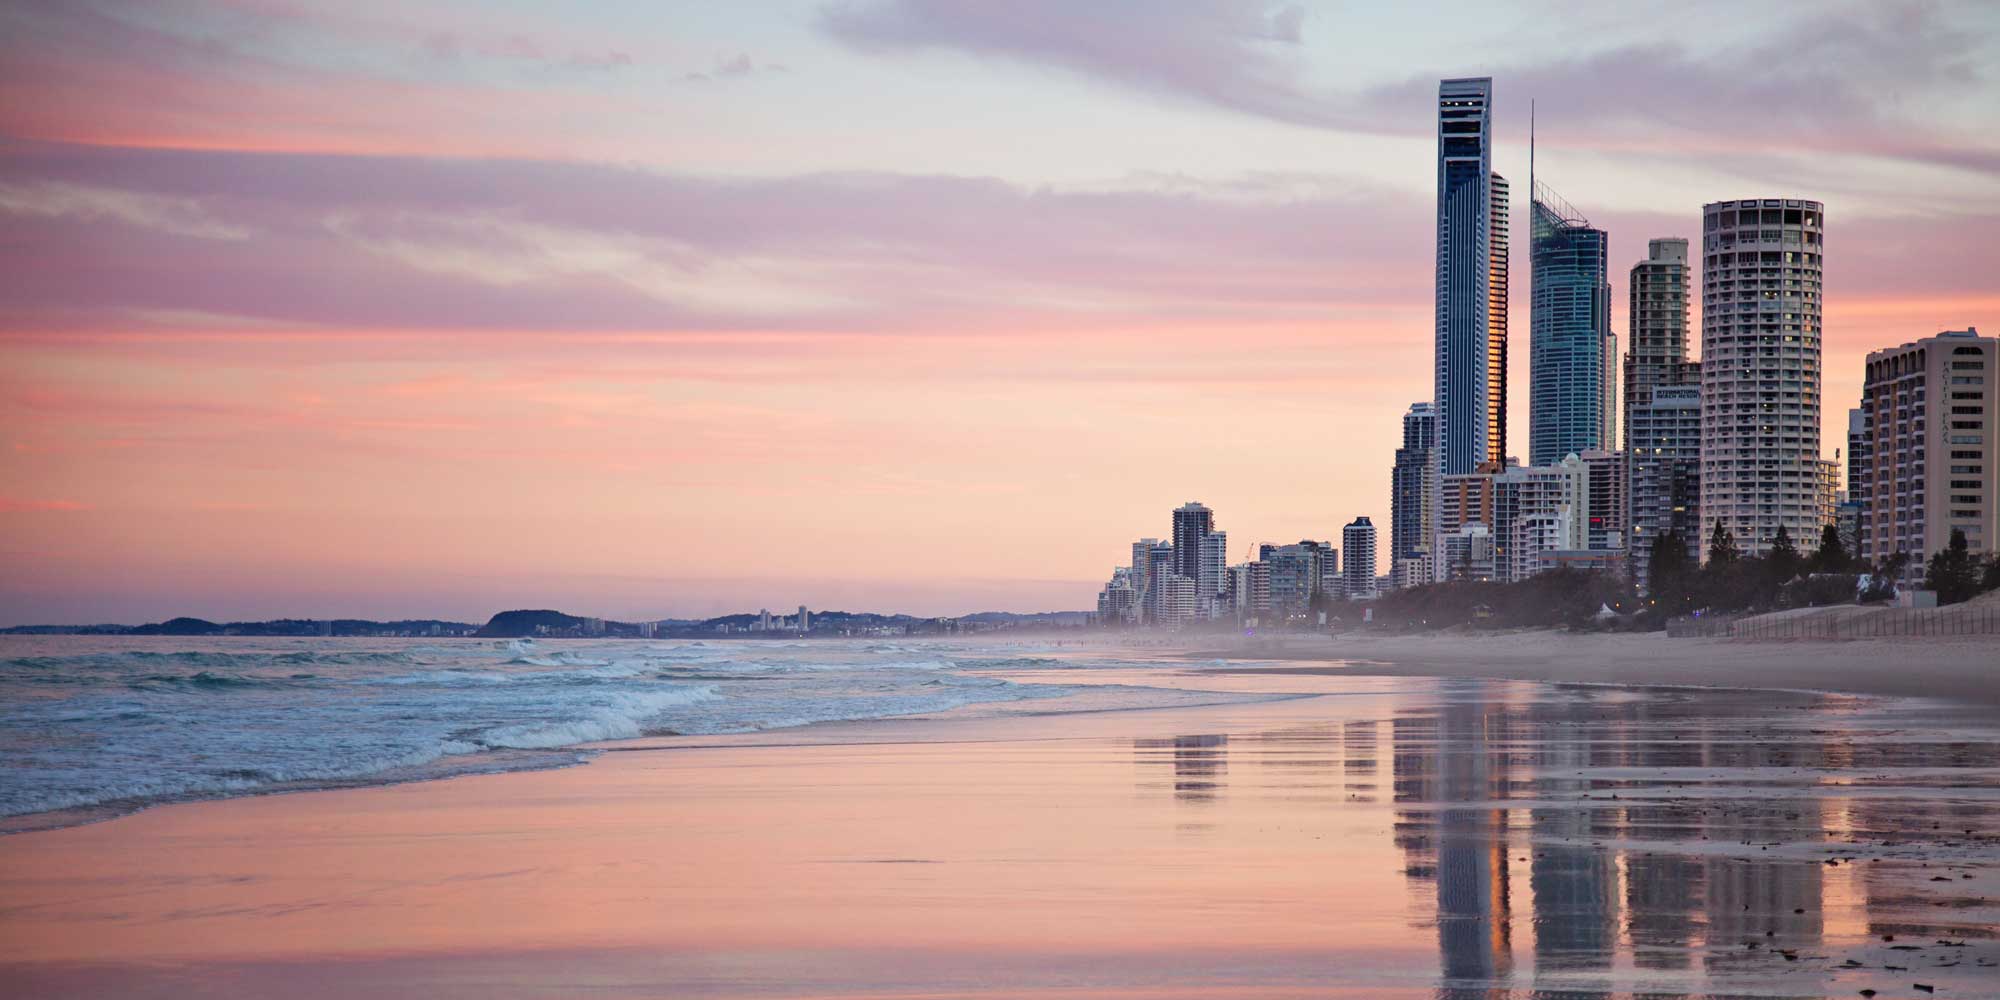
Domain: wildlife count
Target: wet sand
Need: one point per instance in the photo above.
(1963, 669)
(1364, 837)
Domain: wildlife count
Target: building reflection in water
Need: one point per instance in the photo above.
(1447, 762)
(1200, 763)
(1482, 779)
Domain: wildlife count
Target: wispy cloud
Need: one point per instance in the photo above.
(1867, 79)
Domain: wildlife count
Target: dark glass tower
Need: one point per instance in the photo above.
(1412, 483)
(1192, 523)
(1571, 352)
(1464, 273)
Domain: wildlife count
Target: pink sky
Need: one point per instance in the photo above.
(884, 304)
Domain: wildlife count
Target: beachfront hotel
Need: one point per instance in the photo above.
(1760, 371)
(1927, 447)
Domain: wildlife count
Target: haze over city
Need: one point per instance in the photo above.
(895, 305)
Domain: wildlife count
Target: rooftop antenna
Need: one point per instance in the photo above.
(1532, 196)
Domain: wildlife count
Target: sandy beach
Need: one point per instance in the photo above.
(1360, 835)
(1960, 669)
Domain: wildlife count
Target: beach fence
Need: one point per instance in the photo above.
(1844, 622)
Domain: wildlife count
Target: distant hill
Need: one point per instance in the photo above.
(180, 626)
(516, 624)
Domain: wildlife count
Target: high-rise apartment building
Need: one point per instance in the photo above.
(1413, 485)
(1463, 352)
(1928, 419)
(1297, 573)
(1142, 571)
(1760, 370)
(1605, 516)
(1664, 466)
(1570, 344)
(1357, 539)
(1213, 579)
(1562, 490)
(1657, 326)
(1191, 522)
(1496, 320)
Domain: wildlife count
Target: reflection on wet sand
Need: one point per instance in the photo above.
(1667, 835)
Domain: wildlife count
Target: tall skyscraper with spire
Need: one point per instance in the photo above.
(1465, 266)
(1571, 350)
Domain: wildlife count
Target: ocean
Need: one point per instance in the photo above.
(92, 726)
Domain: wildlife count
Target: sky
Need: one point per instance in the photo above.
(649, 309)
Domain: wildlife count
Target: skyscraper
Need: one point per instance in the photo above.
(1760, 371)
(1570, 345)
(1496, 323)
(1358, 539)
(1931, 442)
(1464, 273)
(1664, 466)
(1413, 485)
(1191, 522)
(1658, 325)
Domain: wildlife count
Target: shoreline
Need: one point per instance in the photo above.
(1964, 671)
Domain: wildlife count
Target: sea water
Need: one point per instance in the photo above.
(95, 725)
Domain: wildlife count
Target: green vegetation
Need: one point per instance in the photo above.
(1729, 581)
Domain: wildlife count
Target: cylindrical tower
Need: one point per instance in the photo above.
(1760, 371)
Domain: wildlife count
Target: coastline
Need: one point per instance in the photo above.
(1963, 670)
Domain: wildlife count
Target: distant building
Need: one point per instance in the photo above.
(1176, 604)
(1413, 485)
(1213, 577)
(764, 619)
(1525, 492)
(1118, 602)
(1665, 469)
(1142, 571)
(1252, 589)
(1297, 573)
(1407, 573)
(648, 630)
(1159, 566)
(1571, 350)
(1467, 554)
(593, 626)
(1465, 268)
(1657, 327)
(1930, 446)
(1358, 540)
(1605, 520)
(1760, 371)
(1192, 523)
(804, 619)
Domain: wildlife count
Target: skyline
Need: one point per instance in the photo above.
(564, 365)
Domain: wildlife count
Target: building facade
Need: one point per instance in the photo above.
(1464, 273)
(1413, 485)
(1929, 446)
(1357, 539)
(1498, 215)
(1760, 370)
(1192, 522)
(1664, 470)
(1656, 327)
(1570, 344)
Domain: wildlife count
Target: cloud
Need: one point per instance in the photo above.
(1242, 55)
(429, 242)
(1868, 81)
(18, 505)
(734, 67)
